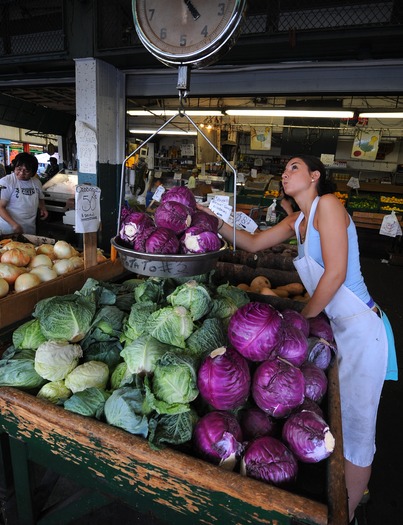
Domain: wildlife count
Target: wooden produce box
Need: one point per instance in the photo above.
(174, 486)
(371, 221)
(17, 306)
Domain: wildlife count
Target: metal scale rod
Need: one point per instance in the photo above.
(183, 87)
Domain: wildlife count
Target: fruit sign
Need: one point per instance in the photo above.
(366, 144)
(88, 209)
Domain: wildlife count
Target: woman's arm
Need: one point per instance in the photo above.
(4, 214)
(42, 209)
(331, 220)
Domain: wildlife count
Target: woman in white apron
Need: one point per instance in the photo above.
(21, 196)
(328, 265)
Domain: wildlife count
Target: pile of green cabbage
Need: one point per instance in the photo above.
(126, 354)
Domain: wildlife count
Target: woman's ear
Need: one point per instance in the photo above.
(315, 175)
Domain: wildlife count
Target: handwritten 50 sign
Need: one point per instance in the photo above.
(88, 209)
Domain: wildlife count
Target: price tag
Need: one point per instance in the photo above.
(158, 193)
(221, 208)
(244, 222)
(177, 176)
(88, 209)
(353, 183)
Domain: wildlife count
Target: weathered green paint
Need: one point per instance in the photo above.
(176, 488)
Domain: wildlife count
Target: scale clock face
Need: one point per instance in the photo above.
(188, 32)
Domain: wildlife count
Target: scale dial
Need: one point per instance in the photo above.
(188, 32)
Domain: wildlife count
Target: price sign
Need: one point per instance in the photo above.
(244, 222)
(353, 183)
(177, 176)
(88, 209)
(220, 206)
(158, 193)
(157, 174)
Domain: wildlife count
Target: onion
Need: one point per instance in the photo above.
(4, 287)
(64, 250)
(15, 256)
(47, 249)
(26, 281)
(25, 247)
(77, 262)
(100, 256)
(41, 260)
(44, 273)
(62, 266)
(10, 272)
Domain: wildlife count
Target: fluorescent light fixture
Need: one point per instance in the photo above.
(140, 131)
(171, 112)
(289, 113)
(381, 115)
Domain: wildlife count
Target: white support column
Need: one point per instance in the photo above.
(100, 117)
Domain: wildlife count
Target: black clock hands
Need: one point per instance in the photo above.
(193, 11)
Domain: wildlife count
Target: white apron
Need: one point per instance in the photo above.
(362, 356)
(23, 207)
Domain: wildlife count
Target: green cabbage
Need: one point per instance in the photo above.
(175, 379)
(121, 376)
(171, 325)
(209, 336)
(28, 335)
(55, 391)
(135, 325)
(87, 375)
(66, 318)
(54, 360)
(20, 372)
(240, 297)
(89, 402)
(124, 409)
(194, 297)
(142, 354)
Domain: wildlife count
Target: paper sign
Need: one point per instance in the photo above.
(253, 173)
(327, 159)
(157, 174)
(177, 176)
(158, 193)
(222, 209)
(187, 150)
(353, 183)
(366, 144)
(244, 222)
(88, 208)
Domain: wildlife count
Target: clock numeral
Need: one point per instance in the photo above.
(152, 13)
(182, 40)
(204, 31)
(163, 33)
(221, 8)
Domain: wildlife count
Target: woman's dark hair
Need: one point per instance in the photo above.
(29, 161)
(325, 185)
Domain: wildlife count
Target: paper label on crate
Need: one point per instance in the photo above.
(220, 206)
(244, 222)
(88, 208)
(353, 183)
(158, 193)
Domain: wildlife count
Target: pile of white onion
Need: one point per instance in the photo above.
(24, 266)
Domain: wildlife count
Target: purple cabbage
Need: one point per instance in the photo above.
(133, 225)
(268, 459)
(313, 406)
(173, 215)
(196, 241)
(294, 346)
(217, 437)
(139, 243)
(204, 221)
(278, 387)
(294, 318)
(180, 194)
(320, 352)
(256, 423)
(255, 330)
(224, 379)
(162, 240)
(319, 326)
(315, 381)
(308, 436)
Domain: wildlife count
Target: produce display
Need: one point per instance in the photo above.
(24, 265)
(364, 202)
(177, 227)
(391, 203)
(186, 363)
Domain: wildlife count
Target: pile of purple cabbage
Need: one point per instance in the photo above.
(178, 227)
(264, 392)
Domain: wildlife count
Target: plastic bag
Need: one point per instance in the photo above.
(390, 226)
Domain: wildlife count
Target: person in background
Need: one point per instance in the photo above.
(10, 167)
(192, 179)
(51, 169)
(2, 170)
(328, 264)
(21, 197)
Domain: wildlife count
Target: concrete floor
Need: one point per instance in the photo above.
(385, 282)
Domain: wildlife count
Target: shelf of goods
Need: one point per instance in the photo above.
(171, 484)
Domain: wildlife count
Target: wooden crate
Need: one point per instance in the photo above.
(369, 220)
(17, 306)
(176, 487)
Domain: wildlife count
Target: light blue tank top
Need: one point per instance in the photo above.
(354, 279)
